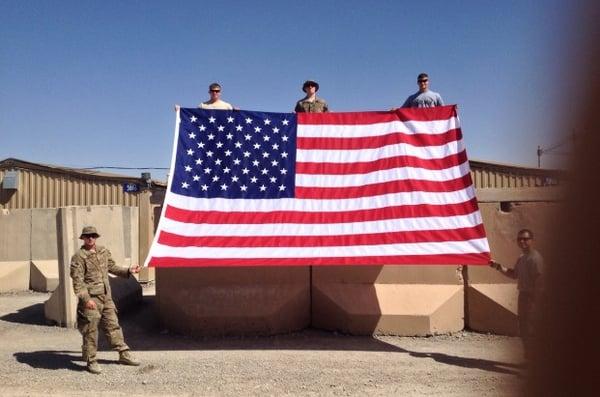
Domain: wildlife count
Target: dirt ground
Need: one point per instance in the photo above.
(37, 359)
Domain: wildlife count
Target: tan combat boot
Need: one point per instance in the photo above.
(127, 359)
(93, 367)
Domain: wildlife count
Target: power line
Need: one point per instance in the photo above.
(552, 149)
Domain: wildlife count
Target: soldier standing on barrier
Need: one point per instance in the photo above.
(311, 103)
(528, 271)
(89, 270)
(424, 98)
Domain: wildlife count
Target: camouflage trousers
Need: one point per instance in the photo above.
(105, 316)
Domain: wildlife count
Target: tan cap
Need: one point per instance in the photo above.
(89, 231)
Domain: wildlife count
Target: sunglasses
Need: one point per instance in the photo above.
(423, 81)
(215, 90)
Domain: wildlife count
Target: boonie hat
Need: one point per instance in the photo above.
(89, 231)
(310, 82)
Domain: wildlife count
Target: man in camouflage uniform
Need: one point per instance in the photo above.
(528, 272)
(311, 103)
(89, 270)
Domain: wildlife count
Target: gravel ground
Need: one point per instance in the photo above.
(41, 360)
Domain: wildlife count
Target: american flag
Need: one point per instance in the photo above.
(363, 188)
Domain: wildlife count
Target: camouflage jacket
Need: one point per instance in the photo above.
(89, 271)
(318, 106)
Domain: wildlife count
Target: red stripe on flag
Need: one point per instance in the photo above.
(305, 217)
(372, 142)
(466, 259)
(357, 118)
(381, 164)
(419, 236)
(376, 189)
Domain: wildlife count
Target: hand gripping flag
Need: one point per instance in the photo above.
(274, 189)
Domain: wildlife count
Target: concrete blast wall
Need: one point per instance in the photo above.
(491, 298)
(400, 300)
(233, 301)
(30, 241)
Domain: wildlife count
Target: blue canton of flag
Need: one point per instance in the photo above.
(235, 154)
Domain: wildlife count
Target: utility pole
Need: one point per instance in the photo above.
(553, 149)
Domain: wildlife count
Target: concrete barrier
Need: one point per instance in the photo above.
(395, 300)
(15, 236)
(44, 275)
(233, 301)
(493, 308)
(490, 296)
(14, 276)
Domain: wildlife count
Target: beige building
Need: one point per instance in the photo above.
(27, 185)
(30, 194)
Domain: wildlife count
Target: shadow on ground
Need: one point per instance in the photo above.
(33, 315)
(50, 359)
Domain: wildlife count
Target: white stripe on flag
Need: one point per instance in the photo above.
(433, 248)
(312, 229)
(394, 174)
(362, 155)
(378, 129)
(314, 205)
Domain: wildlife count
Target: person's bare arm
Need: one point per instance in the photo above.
(503, 269)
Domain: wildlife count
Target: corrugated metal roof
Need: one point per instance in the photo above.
(514, 168)
(12, 163)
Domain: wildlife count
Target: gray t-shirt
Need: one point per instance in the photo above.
(427, 99)
(529, 269)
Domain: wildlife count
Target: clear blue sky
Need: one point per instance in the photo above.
(93, 83)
